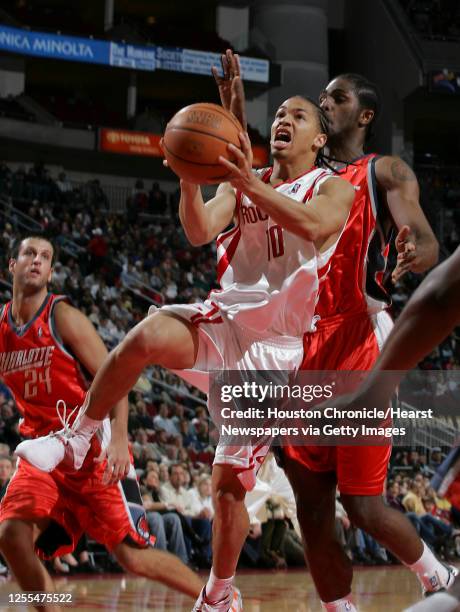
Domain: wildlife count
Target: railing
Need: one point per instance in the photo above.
(117, 195)
(430, 433)
(405, 26)
(176, 390)
(19, 219)
(28, 224)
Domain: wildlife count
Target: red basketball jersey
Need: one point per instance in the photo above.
(354, 281)
(38, 369)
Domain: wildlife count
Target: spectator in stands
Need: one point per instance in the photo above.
(161, 446)
(6, 471)
(157, 204)
(163, 421)
(198, 533)
(97, 248)
(60, 275)
(164, 523)
(96, 197)
(163, 473)
(436, 457)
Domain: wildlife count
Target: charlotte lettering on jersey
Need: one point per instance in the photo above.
(15, 361)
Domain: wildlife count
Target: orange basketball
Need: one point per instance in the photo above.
(194, 139)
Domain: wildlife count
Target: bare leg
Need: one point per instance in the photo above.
(159, 339)
(159, 565)
(388, 526)
(231, 522)
(330, 567)
(17, 540)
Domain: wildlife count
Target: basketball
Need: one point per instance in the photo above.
(194, 139)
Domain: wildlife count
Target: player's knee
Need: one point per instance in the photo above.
(144, 341)
(367, 513)
(130, 559)
(226, 503)
(11, 536)
(318, 536)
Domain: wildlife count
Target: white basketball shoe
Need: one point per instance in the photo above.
(65, 446)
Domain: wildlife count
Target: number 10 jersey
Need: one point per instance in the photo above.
(270, 277)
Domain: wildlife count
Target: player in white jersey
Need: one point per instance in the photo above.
(286, 225)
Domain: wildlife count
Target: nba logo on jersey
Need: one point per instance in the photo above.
(40, 332)
(295, 188)
(347, 605)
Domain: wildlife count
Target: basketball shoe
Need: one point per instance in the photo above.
(439, 602)
(66, 446)
(434, 584)
(231, 603)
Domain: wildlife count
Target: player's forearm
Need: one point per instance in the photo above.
(193, 214)
(427, 252)
(291, 215)
(119, 419)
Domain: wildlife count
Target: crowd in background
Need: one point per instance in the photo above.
(114, 267)
(438, 19)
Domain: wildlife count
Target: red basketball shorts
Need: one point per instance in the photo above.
(76, 503)
(352, 344)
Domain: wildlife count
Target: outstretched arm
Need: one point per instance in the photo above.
(418, 248)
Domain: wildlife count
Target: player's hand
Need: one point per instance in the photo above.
(241, 176)
(345, 522)
(255, 531)
(407, 255)
(161, 145)
(231, 89)
(118, 460)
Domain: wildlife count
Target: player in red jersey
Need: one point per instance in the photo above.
(430, 315)
(46, 345)
(351, 328)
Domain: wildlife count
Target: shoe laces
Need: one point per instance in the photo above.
(65, 415)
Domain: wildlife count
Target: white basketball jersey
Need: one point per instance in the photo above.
(269, 277)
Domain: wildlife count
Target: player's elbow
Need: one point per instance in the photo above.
(312, 232)
(196, 241)
(197, 238)
(442, 296)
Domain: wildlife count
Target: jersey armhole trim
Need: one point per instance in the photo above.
(52, 325)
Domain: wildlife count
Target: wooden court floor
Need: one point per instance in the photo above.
(376, 590)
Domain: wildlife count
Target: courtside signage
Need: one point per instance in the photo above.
(146, 143)
(121, 55)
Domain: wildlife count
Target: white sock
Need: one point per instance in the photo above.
(217, 588)
(87, 427)
(344, 604)
(432, 573)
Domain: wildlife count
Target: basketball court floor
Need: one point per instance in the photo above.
(376, 590)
